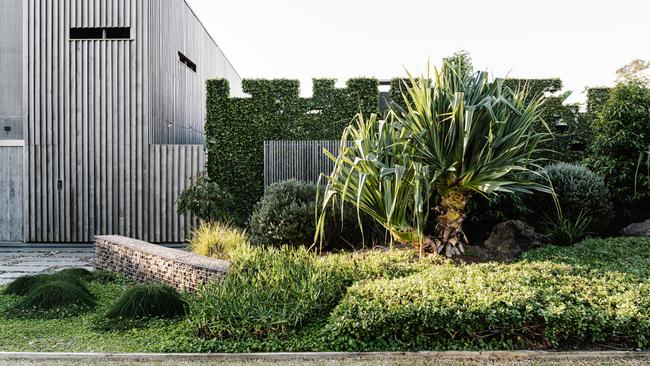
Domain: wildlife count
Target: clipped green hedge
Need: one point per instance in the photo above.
(546, 301)
(236, 128)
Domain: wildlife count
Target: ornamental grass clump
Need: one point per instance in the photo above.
(24, 285)
(146, 302)
(458, 135)
(57, 294)
(217, 239)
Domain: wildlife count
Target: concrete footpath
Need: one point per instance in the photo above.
(18, 261)
(344, 358)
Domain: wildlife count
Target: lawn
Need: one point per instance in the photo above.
(588, 296)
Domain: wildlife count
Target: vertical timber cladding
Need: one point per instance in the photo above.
(91, 167)
(175, 30)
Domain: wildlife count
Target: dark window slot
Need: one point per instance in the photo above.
(186, 61)
(86, 33)
(118, 33)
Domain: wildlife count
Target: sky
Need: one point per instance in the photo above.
(581, 42)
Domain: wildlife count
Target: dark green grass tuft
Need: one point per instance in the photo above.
(57, 294)
(76, 273)
(148, 301)
(23, 285)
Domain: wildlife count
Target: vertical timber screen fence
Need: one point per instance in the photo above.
(301, 160)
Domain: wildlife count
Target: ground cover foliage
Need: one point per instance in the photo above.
(591, 295)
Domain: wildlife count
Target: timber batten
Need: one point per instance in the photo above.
(112, 127)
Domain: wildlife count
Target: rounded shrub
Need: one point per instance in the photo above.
(286, 215)
(23, 285)
(76, 273)
(148, 301)
(579, 192)
(58, 293)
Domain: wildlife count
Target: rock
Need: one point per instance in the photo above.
(638, 229)
(512, 237)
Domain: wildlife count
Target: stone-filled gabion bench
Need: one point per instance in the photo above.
(147, 263)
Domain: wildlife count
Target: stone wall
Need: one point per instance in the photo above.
(149, 263)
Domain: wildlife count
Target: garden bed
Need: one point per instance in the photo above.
(590, 296)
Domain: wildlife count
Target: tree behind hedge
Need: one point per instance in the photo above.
(622, 135)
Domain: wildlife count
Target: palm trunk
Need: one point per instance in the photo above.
(450, 238)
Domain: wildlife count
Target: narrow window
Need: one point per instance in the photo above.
(118, 33)
(100, 33)
(186, 61)
(86, 33)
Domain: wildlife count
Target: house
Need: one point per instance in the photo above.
(102, 105)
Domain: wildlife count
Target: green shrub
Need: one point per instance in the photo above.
(236, 128)
(57, 294)
(76, 273)
(523, 305)
(622, 134)
(148, 301)
(580, 192)
(206, 200)
(286, 215)
(23, 285)
(216, 239)
(271, 291)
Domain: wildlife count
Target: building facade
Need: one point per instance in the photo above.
(102, 105)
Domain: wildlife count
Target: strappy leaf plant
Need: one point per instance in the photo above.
(458, 135)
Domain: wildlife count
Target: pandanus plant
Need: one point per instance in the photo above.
(456, 135)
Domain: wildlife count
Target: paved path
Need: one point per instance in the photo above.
(22, 261)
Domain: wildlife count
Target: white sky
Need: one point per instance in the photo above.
(582, 42)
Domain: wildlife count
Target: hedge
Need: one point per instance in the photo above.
(236, 128)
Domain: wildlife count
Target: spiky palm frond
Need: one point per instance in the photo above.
(472, 131)
(375, 173)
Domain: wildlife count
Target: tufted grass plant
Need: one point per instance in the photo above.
(57, 294)
(23, 285)
(146, 302)
(217, 239)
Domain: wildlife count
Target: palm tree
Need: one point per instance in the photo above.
(461, 134)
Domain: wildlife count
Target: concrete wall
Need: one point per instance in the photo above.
(11, 69)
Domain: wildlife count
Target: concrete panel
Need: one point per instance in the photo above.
(11, 194)
(11, 69)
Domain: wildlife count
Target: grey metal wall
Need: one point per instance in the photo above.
(177, 94)
(302, 160)
(92, 167)
(11, 69)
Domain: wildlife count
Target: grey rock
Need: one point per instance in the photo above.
(638, 229)
(513, 237)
